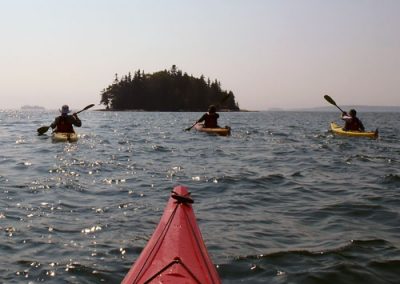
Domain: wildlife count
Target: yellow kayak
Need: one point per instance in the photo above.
(222, 131)
(64, 137)
(337, 129)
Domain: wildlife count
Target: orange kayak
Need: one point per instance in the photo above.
(222, 131)
(64, 137)
(176, 252)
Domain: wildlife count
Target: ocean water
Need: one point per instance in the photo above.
(282, 200)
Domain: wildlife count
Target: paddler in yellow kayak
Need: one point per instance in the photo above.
(352, 122)
(64, 123)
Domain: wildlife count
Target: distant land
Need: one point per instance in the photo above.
(345, 108)
(28, 107)
(167, 90)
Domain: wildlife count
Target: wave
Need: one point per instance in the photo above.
(391, 179)
(358, 261)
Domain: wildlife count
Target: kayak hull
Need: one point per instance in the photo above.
(338, 130)
(221, 131)
(64, 137)
(176, 252)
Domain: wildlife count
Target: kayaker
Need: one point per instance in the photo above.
(65, 122)
(210, 118)
(352, 122)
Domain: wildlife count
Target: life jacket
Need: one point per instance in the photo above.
(64, 125)
(353, 124)
(211, 120)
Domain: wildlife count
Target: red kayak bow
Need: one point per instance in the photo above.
(176, 252)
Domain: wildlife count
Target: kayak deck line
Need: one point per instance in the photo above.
(176, 252)
(177, 260)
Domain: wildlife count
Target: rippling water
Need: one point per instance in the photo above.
(280, 201)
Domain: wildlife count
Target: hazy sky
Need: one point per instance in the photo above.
(269, 53)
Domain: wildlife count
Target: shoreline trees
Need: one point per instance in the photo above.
(168, 90)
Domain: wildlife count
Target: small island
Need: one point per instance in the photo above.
(168, 90)
(32, 108)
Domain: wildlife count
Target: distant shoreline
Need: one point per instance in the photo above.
(360, 109)
(139, 110)
(29, 107)
(347, 108)
(317, 109)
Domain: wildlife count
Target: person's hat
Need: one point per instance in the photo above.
(64, 109)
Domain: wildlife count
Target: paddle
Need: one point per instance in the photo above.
(332, 102)
(188, 129)
(221, 102)
(42, 130)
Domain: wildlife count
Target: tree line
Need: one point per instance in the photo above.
(168, 90)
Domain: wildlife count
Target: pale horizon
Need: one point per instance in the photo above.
(270, 54)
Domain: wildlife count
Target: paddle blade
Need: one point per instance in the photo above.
(42, 130)
(87, 107)
(329, 100)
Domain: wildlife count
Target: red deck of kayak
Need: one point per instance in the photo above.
(176, 252)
